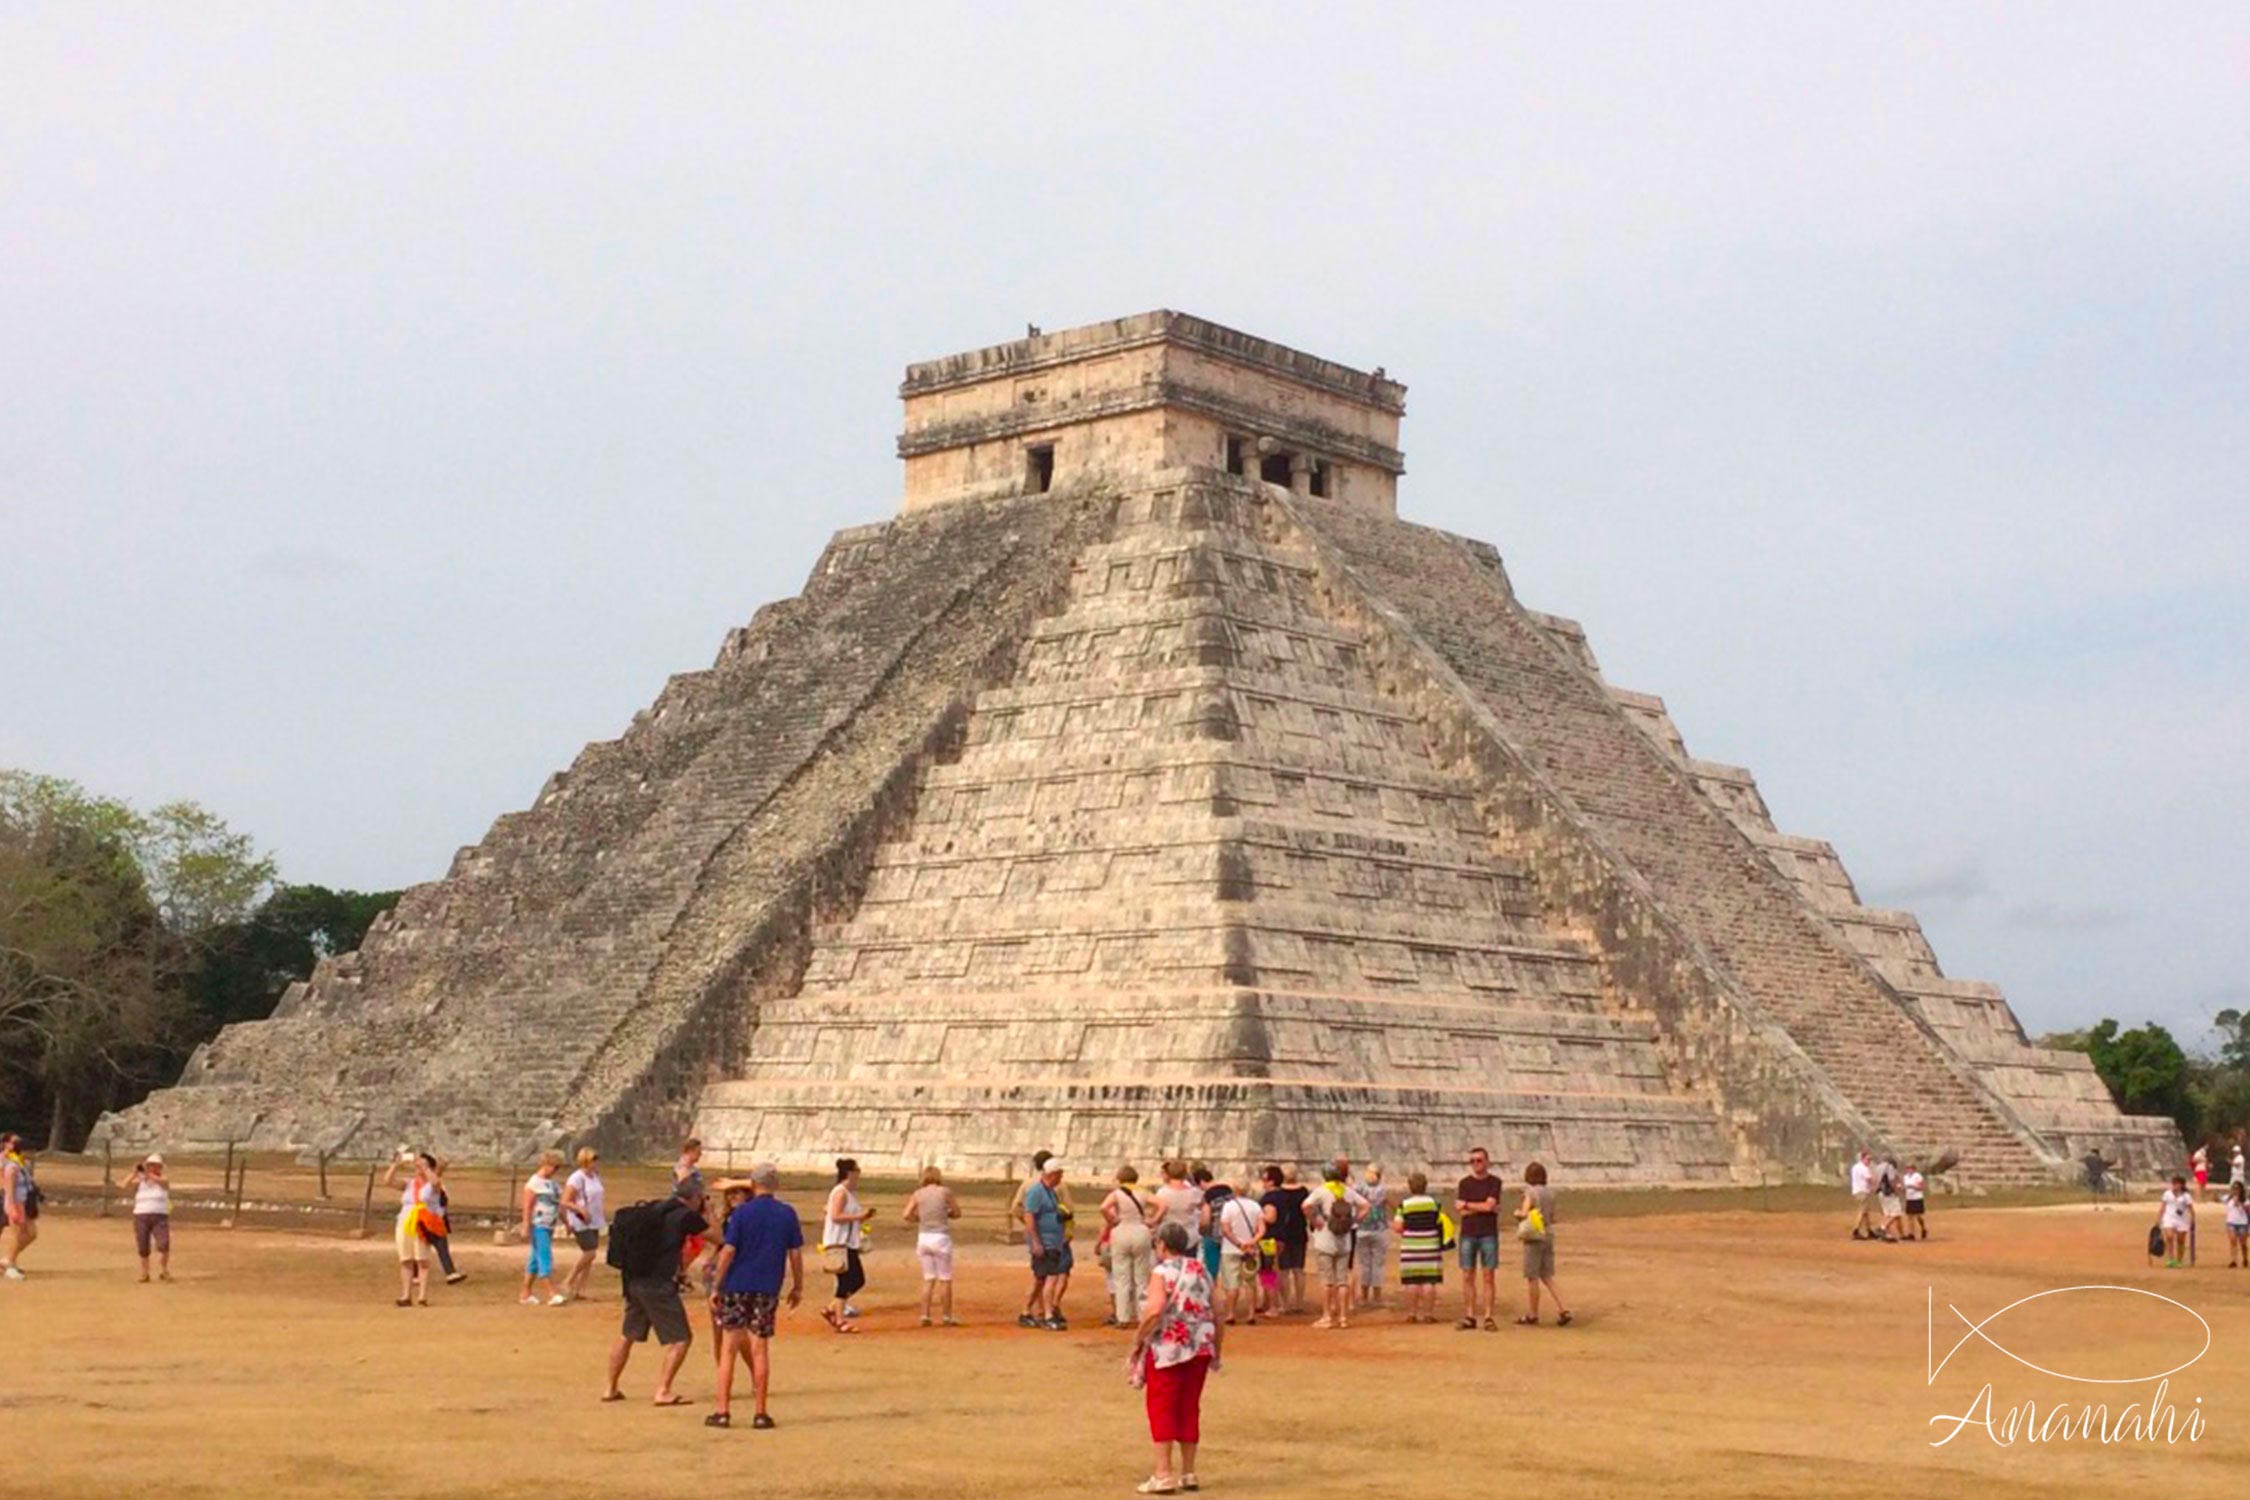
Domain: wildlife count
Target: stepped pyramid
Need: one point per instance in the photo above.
(1147, 786)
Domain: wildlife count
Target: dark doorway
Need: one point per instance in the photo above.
(1274, 469)
(1234, 455)
(1039, 469)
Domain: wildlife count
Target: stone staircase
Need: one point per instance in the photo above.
(1450, 599)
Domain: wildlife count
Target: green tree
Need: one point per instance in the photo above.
(246, 965)
(103, 910)
(2147, 1072)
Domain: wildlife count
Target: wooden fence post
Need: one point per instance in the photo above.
(226, 1173)
(107, 1181)
(507, 1209)
(367, 1203)
(324, 1175)
(241, 1175)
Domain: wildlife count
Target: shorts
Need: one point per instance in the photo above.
(541, 1260)
(1539, 1259)
(1334, 1266)
(935, 1252)
(1914, 1208)
(1049, 1263)
(1480, 1250)
(1290, 1256)
(589, 1240)
(407, 1236)
(152, 1229)
(1860, 1200)
(1235, 1268)
(652, 1303)
(747, 1312)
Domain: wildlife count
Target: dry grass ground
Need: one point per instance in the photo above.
(1720, 1350)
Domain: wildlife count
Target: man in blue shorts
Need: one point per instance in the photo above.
(1043, 1236)
(1477, 1204)
(763, 1238)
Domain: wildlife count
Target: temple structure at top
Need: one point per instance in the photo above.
(1097, 406)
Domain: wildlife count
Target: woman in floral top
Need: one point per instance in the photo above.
(1181, 1340)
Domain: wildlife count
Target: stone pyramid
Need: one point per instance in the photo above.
(1147, 787)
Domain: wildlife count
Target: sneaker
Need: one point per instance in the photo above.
(16, 1275)
(1026, 1320)
(556, 1300)
(1189, 1483)
(531, 1301)
(850, 1311)
(925, 1322)
(1055, 1324)
(455, 1278)
(762, 1422)
(1155, 1486)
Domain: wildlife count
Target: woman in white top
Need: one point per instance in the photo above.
(843, 1231)
(585, 1206)
(152, 1215)
(2176, 1216)
(406, 1230)
(932, 1210)
(1130, 1247)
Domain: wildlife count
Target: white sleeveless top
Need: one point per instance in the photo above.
(847, 1235)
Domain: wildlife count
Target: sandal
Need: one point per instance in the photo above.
(677, 1400)
(1527, 1321)
(762, 1422)
(1491, 1325)
(718, 1419)
(613, 1395)
(1562, 1320)
(1154, 1486)
(1466, 1325)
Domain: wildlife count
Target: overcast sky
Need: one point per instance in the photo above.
(392, 397)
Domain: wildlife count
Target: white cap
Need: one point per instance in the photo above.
(1054, 1164)
(152, 1160)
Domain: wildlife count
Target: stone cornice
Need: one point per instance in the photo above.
(1045, 351)
(1313, 436)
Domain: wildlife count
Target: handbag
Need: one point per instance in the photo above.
(834, 1259)
(1531, 1228)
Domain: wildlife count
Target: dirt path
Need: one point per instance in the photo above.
(1733, 1353)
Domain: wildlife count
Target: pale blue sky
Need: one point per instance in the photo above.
(395, 395)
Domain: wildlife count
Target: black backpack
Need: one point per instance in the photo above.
(637, 1239)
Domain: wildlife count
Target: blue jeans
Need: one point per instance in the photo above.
(1480, 1250)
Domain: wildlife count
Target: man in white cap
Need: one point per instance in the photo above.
(152, 1215)
(1045, 1239)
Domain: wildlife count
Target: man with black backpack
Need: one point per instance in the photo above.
(644, 1246)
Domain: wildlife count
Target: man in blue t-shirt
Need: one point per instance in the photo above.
(763, 1238)
(1043, 1236)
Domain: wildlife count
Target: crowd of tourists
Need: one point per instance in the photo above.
(1177, 1263)
(1891, 1205)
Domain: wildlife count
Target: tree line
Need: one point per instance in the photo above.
(128, 938)
(2148, 1072)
